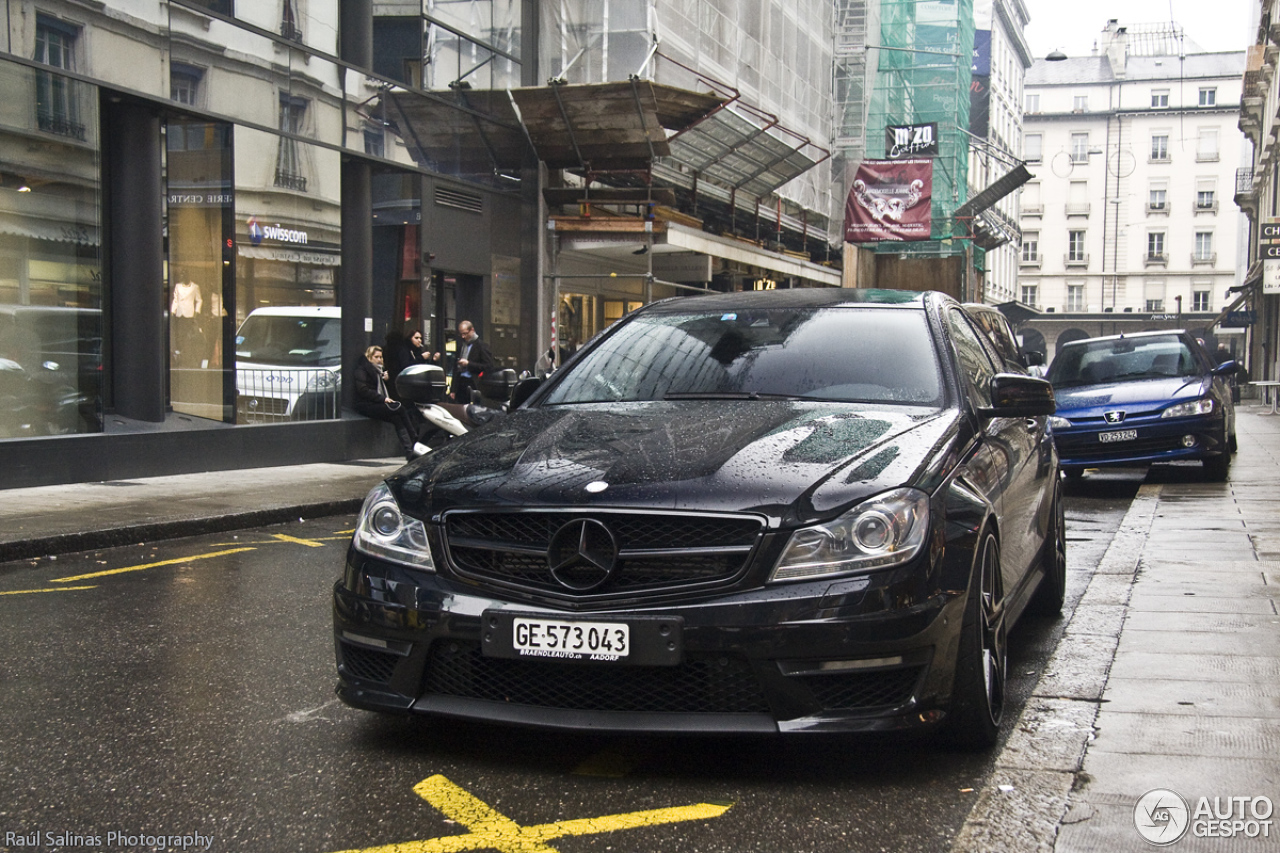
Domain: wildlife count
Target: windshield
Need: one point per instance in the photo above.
(291, 341)
(840, 354)
(1123, 360)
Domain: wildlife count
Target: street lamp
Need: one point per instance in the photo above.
(1056, 55)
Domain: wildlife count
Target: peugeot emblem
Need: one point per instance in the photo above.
(1114, 417)
(583, 554)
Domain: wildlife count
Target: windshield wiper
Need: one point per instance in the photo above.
(711, 395)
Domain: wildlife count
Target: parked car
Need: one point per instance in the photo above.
(1142, 398)
(993, 321)
(801, 510)
(289, 364)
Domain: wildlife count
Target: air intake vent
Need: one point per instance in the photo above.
(460, 200)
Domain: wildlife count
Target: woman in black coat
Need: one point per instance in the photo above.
(374, 400)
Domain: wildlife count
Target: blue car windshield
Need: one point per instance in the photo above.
(836, 354)
(1123, 360)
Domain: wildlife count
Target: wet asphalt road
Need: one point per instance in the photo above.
(185, 688)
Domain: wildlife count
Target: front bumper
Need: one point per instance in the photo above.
(835, 655)
(1158, 440)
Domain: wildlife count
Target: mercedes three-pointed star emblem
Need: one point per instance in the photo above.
(583, 555)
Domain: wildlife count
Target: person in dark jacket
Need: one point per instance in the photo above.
(374, 400)
(473, 359)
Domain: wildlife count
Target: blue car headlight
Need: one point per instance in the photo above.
(1059, 423)
(885, 531)
(1186, 410)
(384, 531)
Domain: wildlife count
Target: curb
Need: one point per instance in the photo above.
(111, 537)
(1033, 776)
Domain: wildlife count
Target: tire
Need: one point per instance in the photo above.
(978, 695)
(1052, 592)
(1073, 473)
(1216, 467)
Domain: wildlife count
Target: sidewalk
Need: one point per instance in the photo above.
(83, 516)
(1167, 677)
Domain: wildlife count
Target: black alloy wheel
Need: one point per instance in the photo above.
(1052, 592)
(977, 706)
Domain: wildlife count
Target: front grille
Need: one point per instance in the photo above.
(369, 664)
(703, 684)
(654, 551)
(856, 691)
(1091, 448)
(261, 409)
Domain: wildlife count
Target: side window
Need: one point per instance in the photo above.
(976, 361)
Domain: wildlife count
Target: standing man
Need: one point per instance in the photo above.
(473, 361)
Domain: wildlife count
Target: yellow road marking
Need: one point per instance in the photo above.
(492, 830)
(310, 543)
(51, 589)
(104, 574)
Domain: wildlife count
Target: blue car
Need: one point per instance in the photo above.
(1140, 398)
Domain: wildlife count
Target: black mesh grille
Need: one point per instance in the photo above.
(369, 664)
(858, 690)
(655, 551)
(702, 684)
(1093, 449)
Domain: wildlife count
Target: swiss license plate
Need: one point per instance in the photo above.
(649, 640)
(1118, 435)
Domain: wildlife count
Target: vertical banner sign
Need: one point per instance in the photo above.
(980, 85)
(889, 200)
(1269, 249)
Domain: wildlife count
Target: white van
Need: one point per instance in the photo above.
(289, 364)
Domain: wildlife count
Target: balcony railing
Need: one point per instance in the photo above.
(1075, 259)
(1037, 262)
(1156, 259)
(290, 181)
(1200, 259)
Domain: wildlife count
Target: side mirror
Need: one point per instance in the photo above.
(1033, 358)
(1016, 396)
(1226, 368)
(524, 390)
(421, 383)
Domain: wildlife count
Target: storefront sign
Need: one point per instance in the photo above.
(1271, 276)
(911, 140)
(1239, 319)
(258, 233)
(202, 199)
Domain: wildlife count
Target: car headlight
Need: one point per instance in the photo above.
(1059, 423)
(887, 530)
(1186, 410)
(322, 380)
(383, 530)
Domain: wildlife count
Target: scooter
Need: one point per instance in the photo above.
(424, 385)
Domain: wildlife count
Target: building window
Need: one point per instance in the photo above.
(1160, 146)
(1030, 247)
(1207, 144)
(1032, 147)
(290, 26)
(1075, 247)
(1200, 300)
(56, 109)
(288, 163)
(1153, 295)
(1030, 295)
(1208, 96)
(375, 139)
(1203, 248)
(1079, 148)
(1155, 247)
(184, 83)
(1075, 297)
(1159, 98)
(1158, 199)
(1080, 103)
(1033, 102)
(1206, 200)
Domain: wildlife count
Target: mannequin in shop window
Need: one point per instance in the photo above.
(184, 317)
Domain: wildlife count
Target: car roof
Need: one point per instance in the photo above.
(810, 297)
(1139, 335)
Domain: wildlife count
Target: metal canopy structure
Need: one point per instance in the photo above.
(745, 149)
